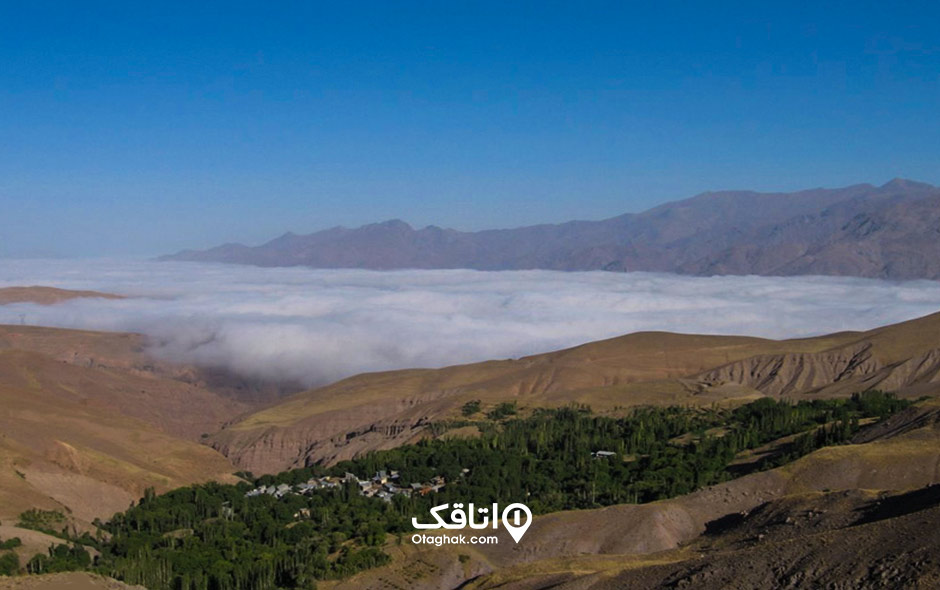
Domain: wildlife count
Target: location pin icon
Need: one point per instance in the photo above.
(514, 525)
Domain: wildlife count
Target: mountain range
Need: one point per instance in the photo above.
(890, 231)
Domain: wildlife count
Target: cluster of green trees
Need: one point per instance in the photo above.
(547, 459)
(60, 558)
(51, 522)
(9, 562)
(214, 537)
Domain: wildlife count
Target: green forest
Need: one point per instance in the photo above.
(214, 537)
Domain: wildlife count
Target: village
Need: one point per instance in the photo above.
(384, 484)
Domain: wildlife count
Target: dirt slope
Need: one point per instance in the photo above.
(112, 371)
(66, 581)
(852, 540)
(87, 422)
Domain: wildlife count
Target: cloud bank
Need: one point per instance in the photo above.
(316, 326)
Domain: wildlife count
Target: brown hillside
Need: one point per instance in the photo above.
(87, 421)
(111, 371)
(47, 295)
(387, 409)
(63, 448)
(64, 581)
(854, 539)
(382, 410)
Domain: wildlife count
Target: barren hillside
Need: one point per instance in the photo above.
(87, 422)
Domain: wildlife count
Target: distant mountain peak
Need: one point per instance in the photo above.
(390, 224)
(898, 183)
(396, 223)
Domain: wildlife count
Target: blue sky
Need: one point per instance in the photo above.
(134, 128)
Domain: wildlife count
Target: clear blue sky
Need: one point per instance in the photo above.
(139, 128)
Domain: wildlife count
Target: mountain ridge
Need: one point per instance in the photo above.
(890, 231)
(373, 411)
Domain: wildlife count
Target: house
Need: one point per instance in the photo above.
(602, 454)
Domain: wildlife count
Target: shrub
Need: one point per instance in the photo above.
(470, 408)
(9, 564)
(10, 543)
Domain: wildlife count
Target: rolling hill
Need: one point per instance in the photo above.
(890, 231)
(383, 410)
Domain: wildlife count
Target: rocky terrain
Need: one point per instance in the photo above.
(383, 410)
(891, 231)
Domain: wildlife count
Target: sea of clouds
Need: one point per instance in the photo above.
(317, 326)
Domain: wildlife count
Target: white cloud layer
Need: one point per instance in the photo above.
(321, 325)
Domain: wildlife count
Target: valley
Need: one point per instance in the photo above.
(91, 424)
